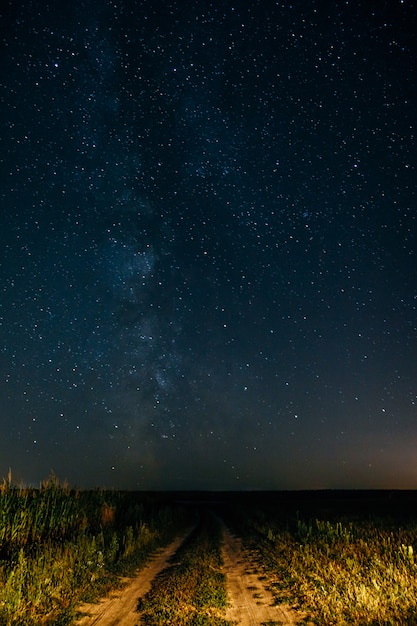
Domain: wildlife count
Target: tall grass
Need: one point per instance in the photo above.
(59, 546)
(341, 572)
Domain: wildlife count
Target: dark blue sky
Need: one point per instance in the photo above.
(208, 244)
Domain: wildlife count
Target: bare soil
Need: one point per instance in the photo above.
(250, 600)
(120, 607)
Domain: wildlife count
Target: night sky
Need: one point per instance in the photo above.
(208, 255)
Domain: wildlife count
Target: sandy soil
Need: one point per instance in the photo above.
(251, 602)
(120, 607)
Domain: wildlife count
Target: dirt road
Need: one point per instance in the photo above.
(120, 607)
(251, 603)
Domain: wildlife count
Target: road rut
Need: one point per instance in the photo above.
(120, 607)
(251, 603)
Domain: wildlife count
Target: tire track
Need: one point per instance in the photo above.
(120, 607)
(250, 601)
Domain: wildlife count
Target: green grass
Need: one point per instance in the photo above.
(192, 591)
(60, 546)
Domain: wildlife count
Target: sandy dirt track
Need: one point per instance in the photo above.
(120, 607)
(251, 602)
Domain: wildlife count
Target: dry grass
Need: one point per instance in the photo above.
(342, 573)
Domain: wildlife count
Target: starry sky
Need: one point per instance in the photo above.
(208, 243)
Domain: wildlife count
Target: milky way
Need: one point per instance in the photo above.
(208, 244)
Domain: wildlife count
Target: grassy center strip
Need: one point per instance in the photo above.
(192, 591)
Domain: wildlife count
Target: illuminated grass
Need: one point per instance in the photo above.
(342, 572)
(192, 591)
(59, 546)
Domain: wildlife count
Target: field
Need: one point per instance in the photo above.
(338, 557)
(333, 558)
(60, 546)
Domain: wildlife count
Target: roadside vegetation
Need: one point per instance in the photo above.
(60, 546)
(337, 563)
(192, 591)
(338, 570)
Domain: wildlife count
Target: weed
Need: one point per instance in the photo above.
(192, 591)
(339, 572)
(58, 546)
